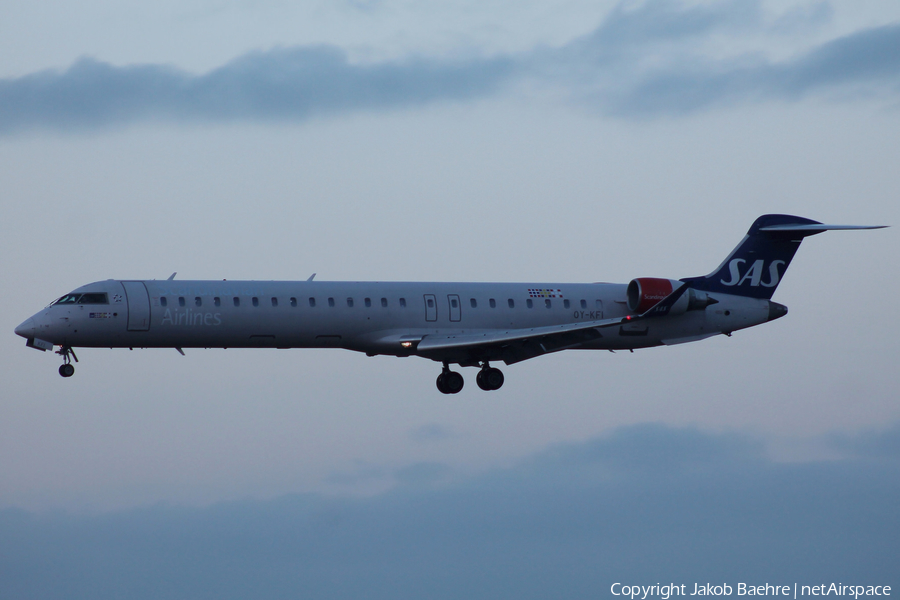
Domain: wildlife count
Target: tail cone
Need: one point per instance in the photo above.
(776, 311)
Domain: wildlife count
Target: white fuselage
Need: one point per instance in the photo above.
(371, 317)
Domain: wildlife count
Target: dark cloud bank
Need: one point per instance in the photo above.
(646, 504)
(292, 83)
(605, 70)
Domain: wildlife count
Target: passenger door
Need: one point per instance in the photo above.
(138, 305)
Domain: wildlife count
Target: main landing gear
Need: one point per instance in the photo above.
(451, 382)
(67, 369)
(489, 378)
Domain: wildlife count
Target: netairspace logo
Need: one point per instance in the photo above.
(664, 592)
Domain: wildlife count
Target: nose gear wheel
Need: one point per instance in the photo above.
(67, 369)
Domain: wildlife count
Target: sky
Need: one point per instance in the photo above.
(470, 141)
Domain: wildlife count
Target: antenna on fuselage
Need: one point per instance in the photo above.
(172, 276)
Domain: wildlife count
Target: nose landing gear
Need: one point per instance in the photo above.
(67, 369)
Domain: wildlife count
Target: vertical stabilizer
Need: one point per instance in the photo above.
(755, 268)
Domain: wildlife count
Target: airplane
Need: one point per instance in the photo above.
(465, 324)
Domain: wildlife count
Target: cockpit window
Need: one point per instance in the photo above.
(68, 299)
(94, 298)
(91, 298)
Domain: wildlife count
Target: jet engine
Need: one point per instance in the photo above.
(645, 292)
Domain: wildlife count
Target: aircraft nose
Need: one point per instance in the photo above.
(26, 329)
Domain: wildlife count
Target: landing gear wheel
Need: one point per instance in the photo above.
(450, 382)
(66, 370)
(489, 379)
(453, 382)
(479, 379)
(493, 378)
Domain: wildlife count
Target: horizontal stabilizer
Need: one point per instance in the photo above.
(812, 228)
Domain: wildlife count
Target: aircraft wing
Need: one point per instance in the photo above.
(571, 334)
(521, 344)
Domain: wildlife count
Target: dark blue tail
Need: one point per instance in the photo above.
(757, 265)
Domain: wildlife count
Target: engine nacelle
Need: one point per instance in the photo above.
(645, 292)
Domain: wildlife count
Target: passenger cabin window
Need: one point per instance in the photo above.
(180, 300)
(293, 302)
(402, 302)
(163, 301)
(312, 302)
(368, 303)
(255, 301)
(237, 301)
(584, 304)
(350, 302)
(598, 304)
(493, 303)
(217, 301)
(512, 303)
(331, 302)
(384, 303)
(274, 301)
(566, 303)
(547, 302)
(198, 301)
(529, 303)
(473, 303)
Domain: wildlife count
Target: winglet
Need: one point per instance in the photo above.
(172, 276)
(311, 277)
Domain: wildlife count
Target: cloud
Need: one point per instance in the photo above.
(870, 444)
(671, 20)
(645, 504)
(290, 83)
(642, 61)
(864, 62)
(803, 17)
(422, 473)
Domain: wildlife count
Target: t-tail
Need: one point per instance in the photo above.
(755, 268)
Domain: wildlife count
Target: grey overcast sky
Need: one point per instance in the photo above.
(485, 141)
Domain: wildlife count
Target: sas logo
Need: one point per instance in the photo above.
(753, 274)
